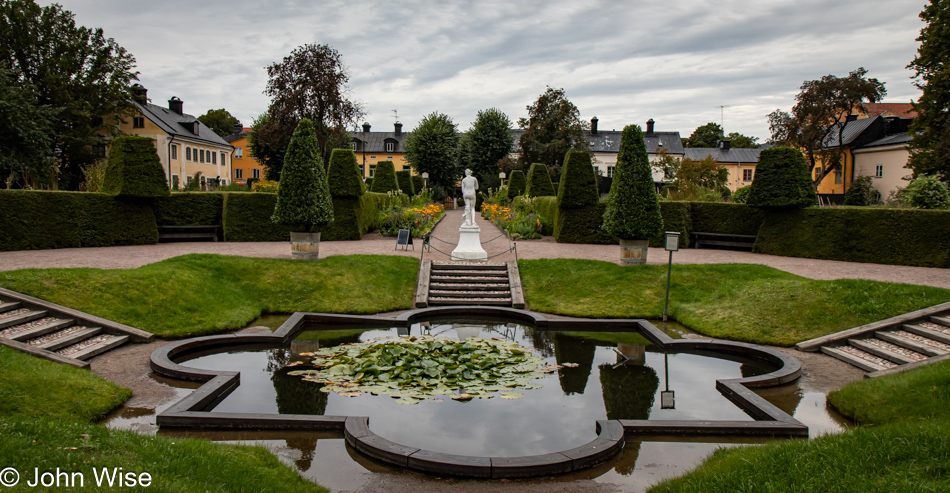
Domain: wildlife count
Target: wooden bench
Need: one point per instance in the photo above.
(721, 239)
(208, 232)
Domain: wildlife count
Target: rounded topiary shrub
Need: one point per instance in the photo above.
(633, 209)
(133, 169)
(303, 198)
(782, 180)
(404, 179)
(516, 184)
(926, 192)
(539, 182)
(384, 180)
(578, 184)
(343, 175)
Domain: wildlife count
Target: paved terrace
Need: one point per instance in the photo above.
(445, 237)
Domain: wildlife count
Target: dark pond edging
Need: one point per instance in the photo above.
(196, 410)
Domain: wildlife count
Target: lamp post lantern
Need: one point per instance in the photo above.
(425, 179)
(502, 177)
(672, 245)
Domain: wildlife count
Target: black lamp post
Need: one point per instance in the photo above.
(672, 245)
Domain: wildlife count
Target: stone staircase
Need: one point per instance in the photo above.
(58, 333)
(469, 283)
(894, 344)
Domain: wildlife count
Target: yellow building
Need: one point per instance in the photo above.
(185, 145)
(740, 163)
(372, 147)
(243, 165)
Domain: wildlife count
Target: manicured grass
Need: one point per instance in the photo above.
(741, 302)
(31, 386)
(204, 294)
(920, 394)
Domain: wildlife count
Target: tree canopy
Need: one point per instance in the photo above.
(309, 83)
(432, 147)
(930, 147)
(26, 134)
(220, 120)
(707, 135)
(819, 117)
(552, 128)
(85, 76)
(488, 141)
(782, 180)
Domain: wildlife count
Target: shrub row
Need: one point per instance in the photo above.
(189, 209)
(246, 217)
(34, 220)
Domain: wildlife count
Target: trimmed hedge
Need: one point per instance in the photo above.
(516, 184)
(726, 218)
(677, 216)
(539, 182)
(404, 178)
(546, 207)
(343, 175)
(859, 234)
(34, 220)
(782, 180)
(633, 209)
(189, 209)
(384, 180)
(418, 183)
(134, 169)
(582, 225)
(247, 216)
(578, 185)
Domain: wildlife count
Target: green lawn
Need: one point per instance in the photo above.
(921, 394)
(741, 302)
(205, 294)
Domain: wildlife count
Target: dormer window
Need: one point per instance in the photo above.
(390, 146)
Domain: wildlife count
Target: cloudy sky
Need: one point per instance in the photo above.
(676, 61)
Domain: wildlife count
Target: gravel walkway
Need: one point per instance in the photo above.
(445, 237)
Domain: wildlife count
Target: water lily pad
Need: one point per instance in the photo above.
(461, 397)
(511, 395)
(570, 365)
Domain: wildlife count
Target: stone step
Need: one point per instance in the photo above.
(466, 266)
(470, 301)
(942, 320)
(468, 280)
(914, 342)
(72, 337)
(7, 306)
(888, 351)
(39, 327)
(20, 316)
(469, 287)
(92, 346)
(930, 330)
(470, 273)
(854, 357)
(469, 294)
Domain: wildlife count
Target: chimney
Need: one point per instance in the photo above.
(366, 127)
(238, 128)
(139, 94)
(650, 123)
(593, 125)
(176, 105)
(398, 129)
(724, 144)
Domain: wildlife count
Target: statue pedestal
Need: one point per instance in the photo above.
(470, 245)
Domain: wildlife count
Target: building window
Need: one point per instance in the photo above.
(405, 167)
(610, 171)
(99, 151)
(223, 161)
(353, 145)
(256, 173)
(187, 154)
(879, 171)
(389, 158)
(239, 152)
(224, 182)
(747, 175)
(214, 157)
(817, 173)
(362, 170)
(174, 182)
(839, 176)
(372, 157)
(372, 170)
(138, 122)
(239, 174)
(189, 180)
(201, 155)
(174, 152)
(390, 147)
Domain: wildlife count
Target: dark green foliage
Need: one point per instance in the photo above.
(345, 225)
(676, 217)
(782, 180)
(930, 147)
(189, 209)
(552, 128)
(516, 184)
(707, 135)
(34, 220)
(873, 235)
(26, 134)
(578, 185)
(369, 184)
(404, 178)
(418, 183)
(539, 182)
(385, 178)
(433, 147)
(861, 192)
(546, 207)
(303, 199)
(247, 217)
(726, 218)
(486, 143)
(628, 390)
(134, 169)
(343, 176)
(568, 349)
(633, 210)
(221, 121)
(926, 192)
(582, 225)
(742, 194)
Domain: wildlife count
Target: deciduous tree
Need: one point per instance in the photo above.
(930, 148)
(432, 147)
(489, 140)
(707, 135)
(220, 120)
(552, 128)
(26, 134)
(818, 119)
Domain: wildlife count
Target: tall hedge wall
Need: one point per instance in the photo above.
(134, 169)
(246, 217)
(859, 234)
(189, 209)
(34, 220)
(726, 218)
(677, 216)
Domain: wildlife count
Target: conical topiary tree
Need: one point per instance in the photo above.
(134, 169)
(404, 179)
(782, 180)
(346, 187)
(579, 216)
(539, 182)
(384, 180)
(303, 198)
(633, 209)
(516, 184)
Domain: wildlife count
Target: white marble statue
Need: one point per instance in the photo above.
(469, 186)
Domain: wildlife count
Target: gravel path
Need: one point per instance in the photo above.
(445, 237)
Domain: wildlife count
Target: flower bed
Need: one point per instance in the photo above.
(419, 219)
(521, 222)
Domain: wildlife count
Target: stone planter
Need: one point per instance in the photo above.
(305, 246)
(634, 252)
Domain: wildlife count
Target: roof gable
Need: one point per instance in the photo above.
(184, 125)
